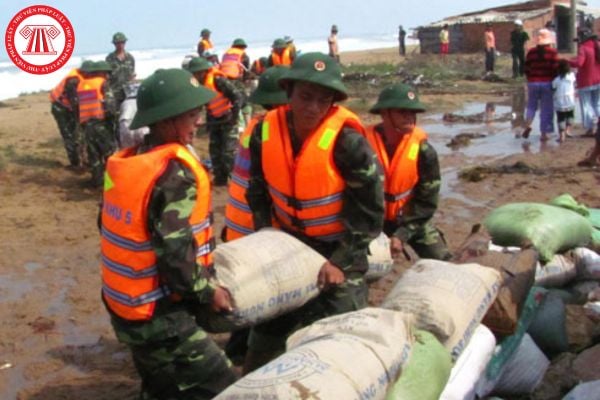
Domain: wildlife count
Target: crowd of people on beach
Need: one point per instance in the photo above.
(304, 164)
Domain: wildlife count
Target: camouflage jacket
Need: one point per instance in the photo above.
(122, 73)
(171, 202)
(234, 95)
(421, 207)
(363, 206)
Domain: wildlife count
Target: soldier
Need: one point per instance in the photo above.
(65, 110)
(314, 173)
(238, 217)
(123, 68)
(204, 43)
(258, 66)
(157, 246)
(222, 117)
(235, 63)
(96, 115)
(289, 41)
(412, 173)
(280, 54)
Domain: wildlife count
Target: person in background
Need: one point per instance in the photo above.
(97, 109)
(444, 42)
(412, 174)
(564, 99)
(238, 216)
(541, 65)
(212, 57)
(235, 63)
(123, 68)
(401, 41)
(587, 63)
(222, 117)
(280, 54)
(259, 66)
(518, 38)
(289, 41)
(313, 172)
(332, 42)
(204, 43)
(490, 49)
(65, 110)
(130, 137)
(157, 259)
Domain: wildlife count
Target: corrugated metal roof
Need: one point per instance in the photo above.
(490, 16)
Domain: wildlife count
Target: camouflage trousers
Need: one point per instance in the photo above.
(68, 126)
(270, 336)
(429, 242)
(100, 141)
(182, 369)
(223, 142)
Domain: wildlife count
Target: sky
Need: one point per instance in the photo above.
(177, 23)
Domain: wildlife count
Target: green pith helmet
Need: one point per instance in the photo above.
(95, 66)
(119, 37)
(317, 68)
(198, 64)
(205, 32)
(268, 91)
(279, 44)
(399, 96)
(168, 93)
(239, 42)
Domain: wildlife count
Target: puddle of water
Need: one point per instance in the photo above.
(12, 289)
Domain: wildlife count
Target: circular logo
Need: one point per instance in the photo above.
(39, 39)
(319, 65)
(410, 95)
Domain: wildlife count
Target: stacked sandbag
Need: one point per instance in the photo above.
(470, 366)
(448, 300)
(548, 228)
(591, 214)
(350, 356)
(267, 273)
(587, 263)
(379, 258)
(426, 372)
(557, 272)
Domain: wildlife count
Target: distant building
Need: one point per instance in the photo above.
(466, 30)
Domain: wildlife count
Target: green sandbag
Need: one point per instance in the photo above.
(567, 201)
(548, 228)
(427, 371)
(594, 217)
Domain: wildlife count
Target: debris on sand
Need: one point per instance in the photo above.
(463, 139)
(480, 172)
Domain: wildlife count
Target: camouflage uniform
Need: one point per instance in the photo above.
(68, 122)
(175, 358)
(362, 214)
(100, 138)
(223, 131)
(414, 226)
(123, 72)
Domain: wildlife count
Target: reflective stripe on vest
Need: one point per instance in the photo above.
(231, 65)
(401, 173)
(307, 191)
(131, 283)
(220, 104)
(58, 93)
(91, 99)
(238, 216)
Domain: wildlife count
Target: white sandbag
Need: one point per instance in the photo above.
(379, 258)
(356, 355)
(268, 273)
(524, 370)
(585, 391)
(470, 366)
(448, 300)
(587, 262)
(559, 271)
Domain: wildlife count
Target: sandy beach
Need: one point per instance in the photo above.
(55, 338)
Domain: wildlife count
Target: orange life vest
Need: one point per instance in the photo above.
(401, 173)
(281, 59)
(219, 105)
(131, 283)
(206, 44)
(91, 99)
(238, 216)
(307, 191)
(258, 67)
(231, 65)
(58, 93)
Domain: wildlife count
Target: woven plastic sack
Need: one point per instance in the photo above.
(548, 228)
